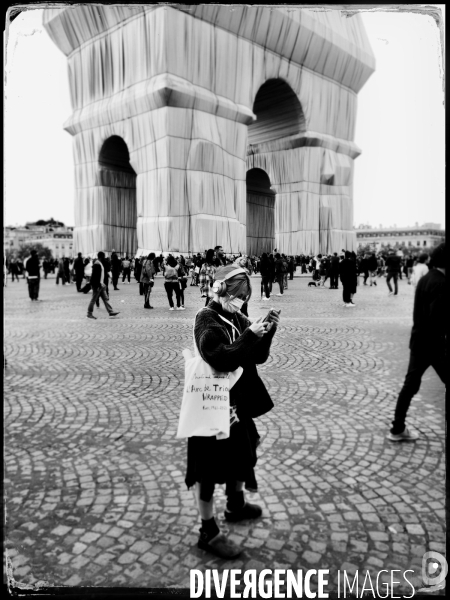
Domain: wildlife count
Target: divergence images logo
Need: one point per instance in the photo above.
(434, 570)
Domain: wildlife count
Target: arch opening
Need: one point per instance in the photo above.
(260, 213)
(278, 113)
(118, 179)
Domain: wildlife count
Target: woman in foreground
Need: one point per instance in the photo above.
(226, 340)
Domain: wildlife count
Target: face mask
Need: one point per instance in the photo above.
(236, 303)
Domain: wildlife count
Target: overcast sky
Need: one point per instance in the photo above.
(399, 177)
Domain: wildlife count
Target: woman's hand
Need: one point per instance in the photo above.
(259, 327)
(274, 319)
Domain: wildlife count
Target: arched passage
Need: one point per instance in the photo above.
(278, 113)
(118, 181)
(260, 213)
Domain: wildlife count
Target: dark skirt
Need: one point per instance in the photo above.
(211, 461)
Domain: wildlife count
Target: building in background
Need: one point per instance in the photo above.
(58, 238)
(425, 236)
(197, 125)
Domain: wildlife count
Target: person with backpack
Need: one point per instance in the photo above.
(126, 266)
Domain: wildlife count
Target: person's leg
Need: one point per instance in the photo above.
(439, 364)
(104, 296)
(30, 289)
(345, 294)
(388, 279)
(129, 275)
(395, 277)
(418, 364)
(237, 508)
(95, 296)
(280, 283)
(169, 292)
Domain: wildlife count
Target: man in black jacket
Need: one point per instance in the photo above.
(427, 344)
(393, 264)
(333, 271)
(34, 276)
(78, 267)
(99, 287)
(347, 273)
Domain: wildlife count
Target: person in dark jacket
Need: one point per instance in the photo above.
(67, 270)
(227, 340)
(279, 272)
(393, 266)
(78, 267)
(347, 274)
(116, 267)
(137, 273)
(98, 287)
(33, 269)
(427, 344)
(266, 280)
(334, 272)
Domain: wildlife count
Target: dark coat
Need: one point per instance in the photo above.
(78, 266)
(393, 264)
(210, 460)
(33, 268)
(347, 274)
(429, 314)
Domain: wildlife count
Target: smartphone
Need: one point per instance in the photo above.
(272, 310)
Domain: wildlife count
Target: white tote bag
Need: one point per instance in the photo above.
(205, 408)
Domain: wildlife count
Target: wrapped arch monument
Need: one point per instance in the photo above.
(202, 125)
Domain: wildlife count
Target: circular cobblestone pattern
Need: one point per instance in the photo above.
(95, 492)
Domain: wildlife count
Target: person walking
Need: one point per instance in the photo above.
(78, 267)
(227, 340)
(126, 266)
(207, 273)
(427, 343)
(171, 283)
(99, 287)
(347, 274)
(393, 265)
(33, 269)
(148, 272)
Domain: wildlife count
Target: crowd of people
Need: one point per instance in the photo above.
(199, 269)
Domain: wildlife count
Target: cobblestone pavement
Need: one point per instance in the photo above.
(95, 491)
